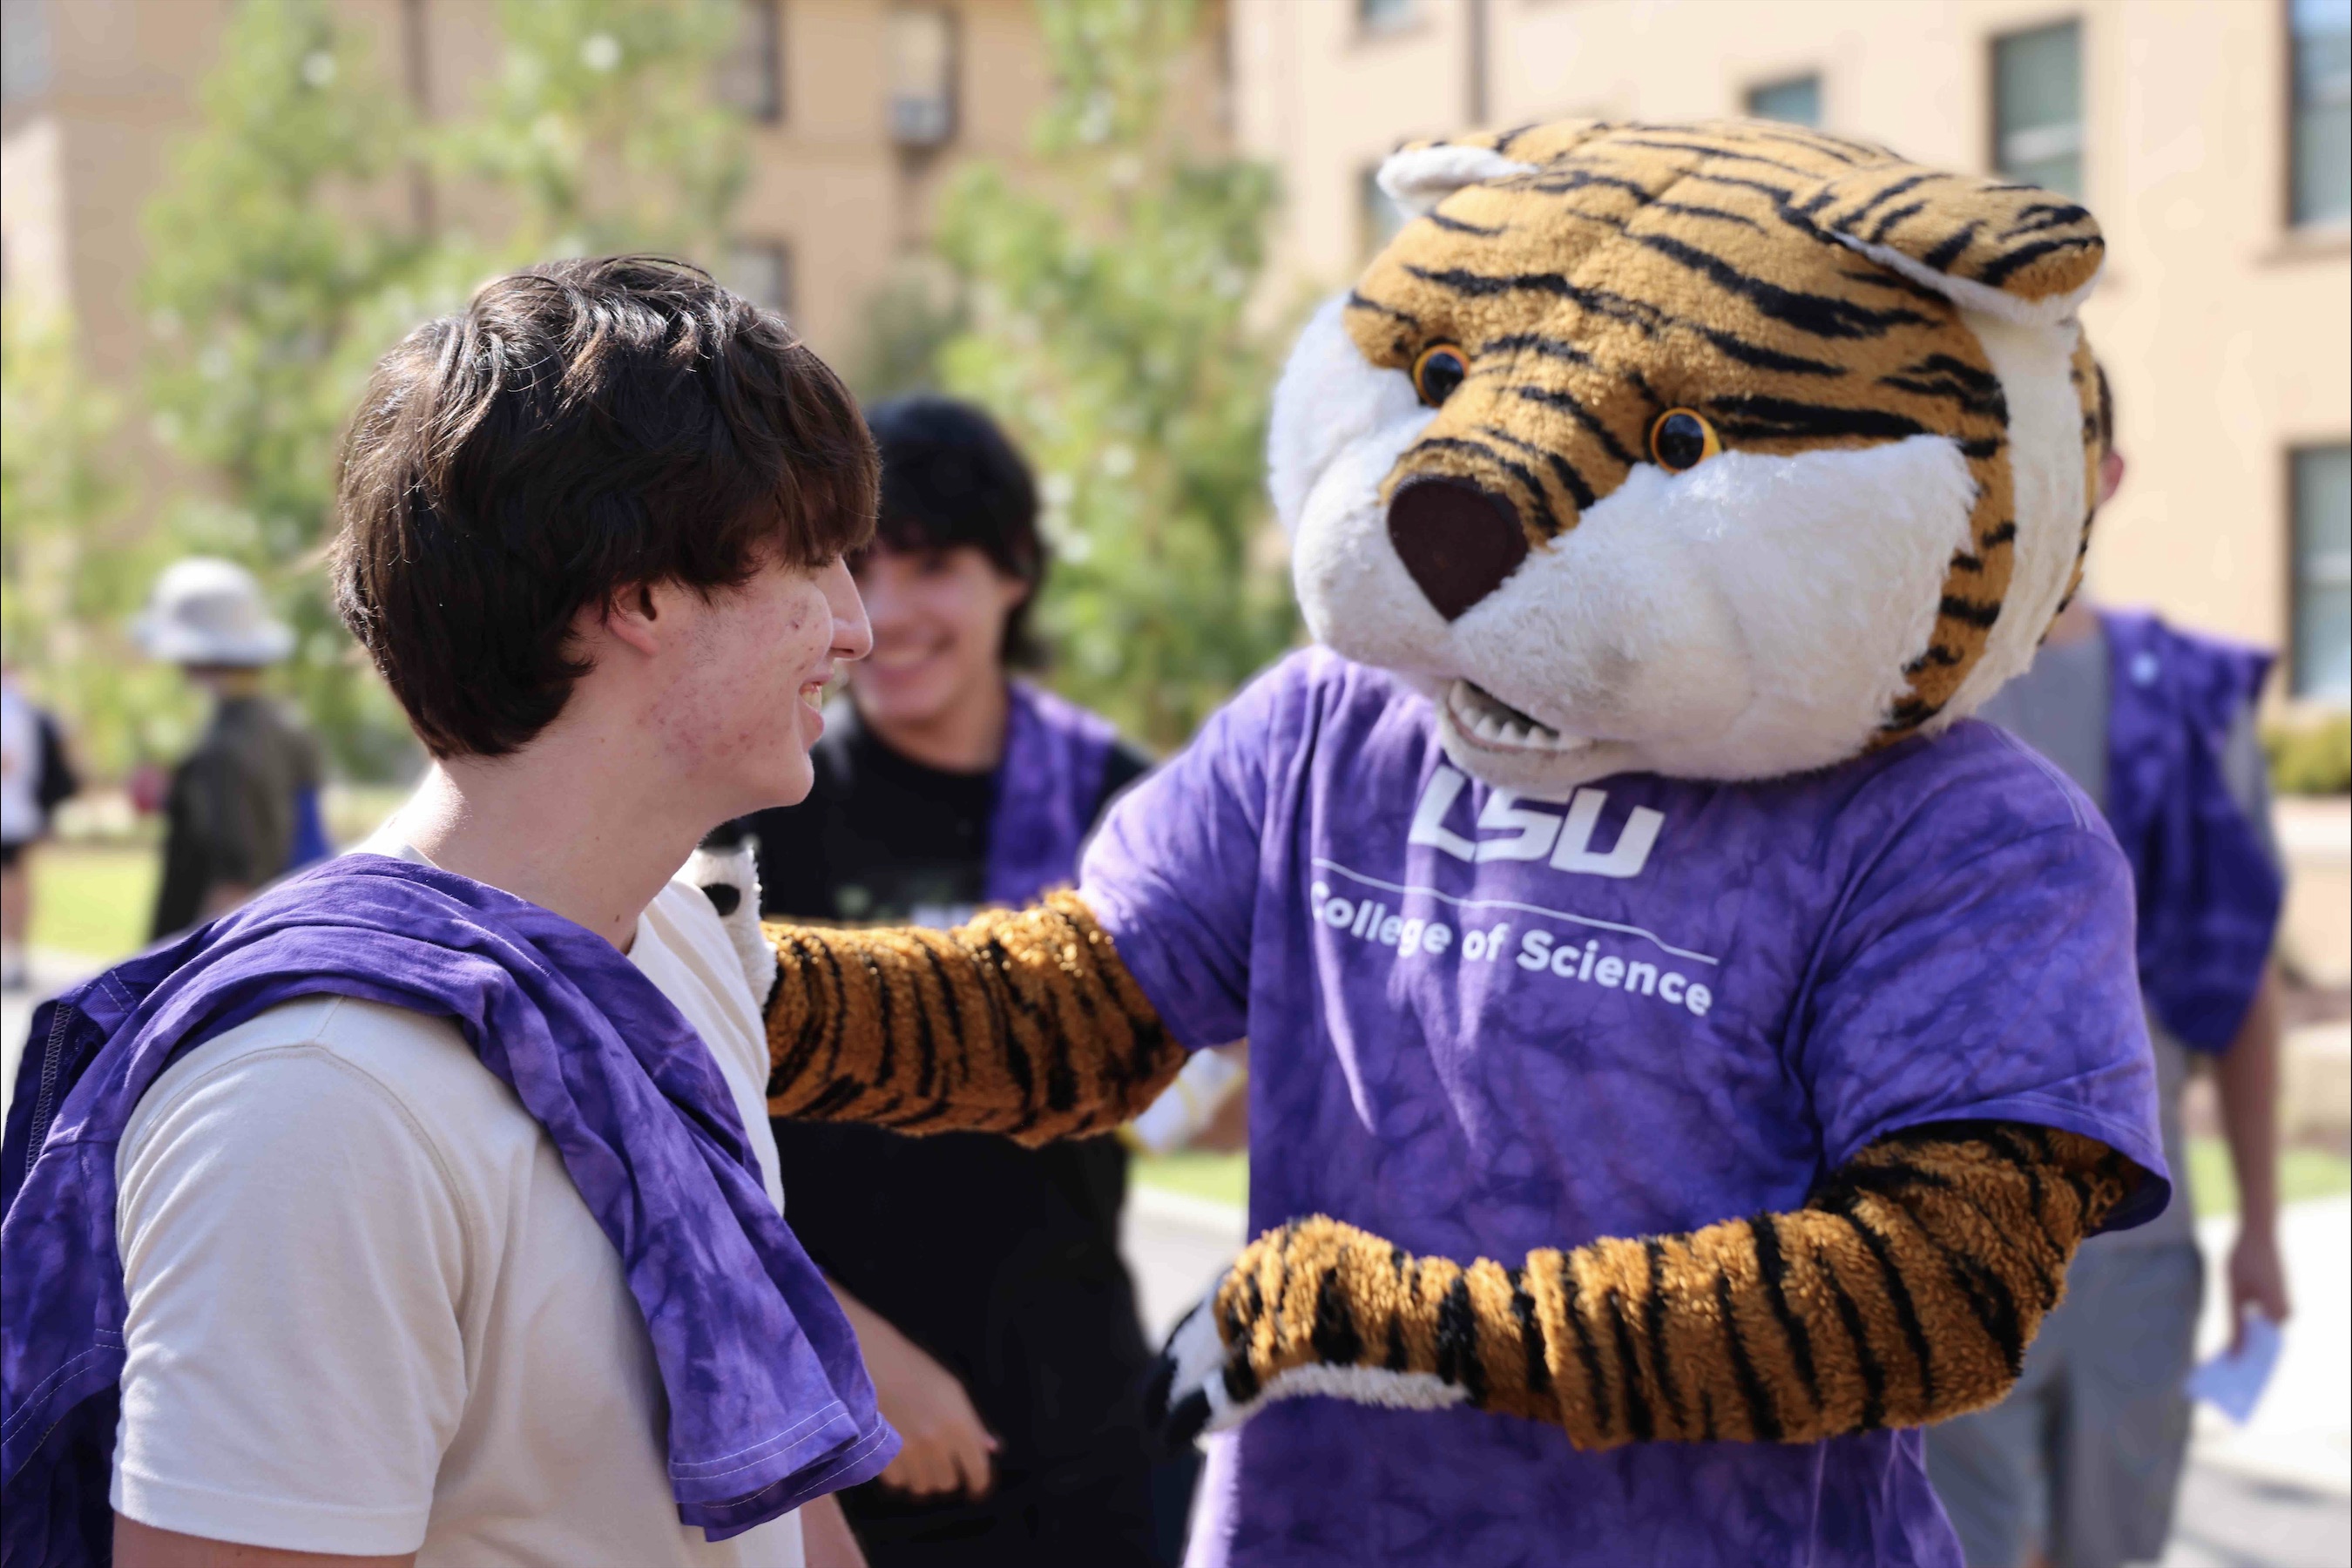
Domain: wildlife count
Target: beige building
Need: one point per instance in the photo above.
(2209, 135)
(858, 107)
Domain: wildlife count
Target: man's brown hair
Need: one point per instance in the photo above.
(584, 428)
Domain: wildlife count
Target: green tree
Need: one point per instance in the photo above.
(273, 249)
(285, 254)
(74, 558)
(603, 132)
(1108, 327)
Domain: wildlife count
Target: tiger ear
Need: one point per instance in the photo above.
(2019, 252)
(1421, 174)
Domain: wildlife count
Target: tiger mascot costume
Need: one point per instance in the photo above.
(1687, 1053)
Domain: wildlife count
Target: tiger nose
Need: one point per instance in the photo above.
(1458, 542)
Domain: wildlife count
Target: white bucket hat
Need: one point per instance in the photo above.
(204, 610)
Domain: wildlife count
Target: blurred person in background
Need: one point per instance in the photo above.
(242, 809)
(2079, 1467)
(984, 1279)
(36, 778)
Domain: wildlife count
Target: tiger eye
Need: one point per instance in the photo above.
(1682, 438)
(1440, 369)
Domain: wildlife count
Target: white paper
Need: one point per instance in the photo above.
(2233, 1384)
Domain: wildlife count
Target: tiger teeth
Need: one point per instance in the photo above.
(1483, 719)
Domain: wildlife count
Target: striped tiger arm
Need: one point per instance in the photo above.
(1904, 1291)
(1022, 1022)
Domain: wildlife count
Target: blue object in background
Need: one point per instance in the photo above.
(310, 843)
(2234, 1381)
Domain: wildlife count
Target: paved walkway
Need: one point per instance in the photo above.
(2277, 1492)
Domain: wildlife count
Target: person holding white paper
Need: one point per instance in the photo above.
(2079, 1467)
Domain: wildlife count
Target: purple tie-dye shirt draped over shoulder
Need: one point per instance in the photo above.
(2209, 895)
(1055, 758)
(769, 1402)
(1482, 1024)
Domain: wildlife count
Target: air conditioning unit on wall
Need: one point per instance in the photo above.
(922, 76)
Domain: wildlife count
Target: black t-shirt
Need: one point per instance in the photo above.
(231, 814)
(884, 839)
(1002, 1262)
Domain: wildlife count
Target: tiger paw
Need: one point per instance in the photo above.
(1188, 1397)
(726, 867)
(1314, 1307)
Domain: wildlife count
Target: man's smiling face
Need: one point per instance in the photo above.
(745, 704)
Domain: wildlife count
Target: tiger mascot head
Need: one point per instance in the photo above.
(1724, 451)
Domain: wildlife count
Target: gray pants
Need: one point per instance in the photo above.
(2084, 1458)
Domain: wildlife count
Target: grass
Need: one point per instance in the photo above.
(354, 811)
(1221, 1178)
(2303, 1173)
(94, 898)
(94, 901)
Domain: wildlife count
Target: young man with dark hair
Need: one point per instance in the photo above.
(984, 1279)
(447, 1233)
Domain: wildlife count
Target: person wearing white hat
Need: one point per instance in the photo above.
(243, 807)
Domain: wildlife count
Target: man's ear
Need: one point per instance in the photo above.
(630, 615)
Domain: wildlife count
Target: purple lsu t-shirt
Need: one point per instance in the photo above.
(1480, 1026)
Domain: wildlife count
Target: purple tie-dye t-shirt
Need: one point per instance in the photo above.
(1481, 1025)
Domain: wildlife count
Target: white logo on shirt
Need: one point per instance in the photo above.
(1646, 966)
(1535, 834)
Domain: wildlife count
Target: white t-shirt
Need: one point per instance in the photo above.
(369, 1311)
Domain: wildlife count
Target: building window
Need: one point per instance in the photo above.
(922, 76)
(2323, 572)
(1797, 100)
(753, 75)
(23, 48)
(2321, 152)
(1382, 15)
(2037, 107)
(1378, 217)
(762, 271)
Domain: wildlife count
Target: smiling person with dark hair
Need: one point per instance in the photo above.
(447, 1224)
(984, 1278)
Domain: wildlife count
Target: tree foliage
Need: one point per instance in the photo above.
(74, 560)
(1100, 309)
(272, 250)
(287, 253)
(1108, 326)
(602, 129)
